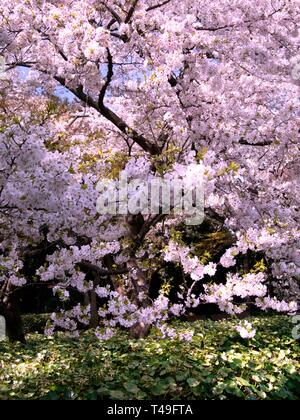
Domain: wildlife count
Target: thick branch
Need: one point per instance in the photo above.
(115, 119)
(157, 6)
(110, 74)
(107, 113)
(113, 12)
(100, 272)
(131, 11)
(244, 142)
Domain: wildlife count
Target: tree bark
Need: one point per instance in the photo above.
(10, 309)
(141, 286)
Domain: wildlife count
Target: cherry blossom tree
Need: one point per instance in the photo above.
(156, 86)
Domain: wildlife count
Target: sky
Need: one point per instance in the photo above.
(60, 91)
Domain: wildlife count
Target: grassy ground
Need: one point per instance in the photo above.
(217, 364)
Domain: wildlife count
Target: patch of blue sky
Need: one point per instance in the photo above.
(60, 91)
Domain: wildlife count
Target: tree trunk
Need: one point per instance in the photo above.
(12, 314)
(141, 286)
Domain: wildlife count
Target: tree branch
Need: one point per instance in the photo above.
(113, 12)
(110, 74)
(115, 119)
(131, 11)
(244, 142)
(107, 113)
(87, 266)
(157, 6)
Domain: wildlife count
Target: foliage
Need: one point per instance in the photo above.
(216, 364)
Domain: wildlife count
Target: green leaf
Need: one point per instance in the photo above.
(193, 382)
(243, 382)
(131, 387)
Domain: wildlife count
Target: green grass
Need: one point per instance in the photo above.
(217, 364)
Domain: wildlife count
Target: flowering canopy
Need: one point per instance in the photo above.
(155, 85)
